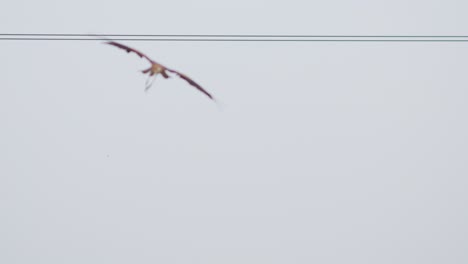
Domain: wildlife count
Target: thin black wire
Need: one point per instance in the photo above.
(240, 40)
(234, 38)
(231, 35)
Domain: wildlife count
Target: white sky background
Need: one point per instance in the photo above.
(324, 152)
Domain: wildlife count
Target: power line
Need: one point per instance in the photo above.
(230, 35)
(233, 38)
(240, 40)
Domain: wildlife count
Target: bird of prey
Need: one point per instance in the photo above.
(157, 68)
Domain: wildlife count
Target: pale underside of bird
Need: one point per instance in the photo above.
(157, 68)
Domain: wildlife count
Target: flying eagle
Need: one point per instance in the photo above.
(157, 68)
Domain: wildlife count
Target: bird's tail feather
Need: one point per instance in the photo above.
(149, 82)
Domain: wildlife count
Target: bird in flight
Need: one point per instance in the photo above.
(157, 68)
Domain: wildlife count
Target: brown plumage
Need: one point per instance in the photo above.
(157, 68)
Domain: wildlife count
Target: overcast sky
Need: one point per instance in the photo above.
(321, 153)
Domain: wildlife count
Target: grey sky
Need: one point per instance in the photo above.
(323, 152)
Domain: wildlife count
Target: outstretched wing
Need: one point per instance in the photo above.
(128, 49)
(191, 82)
